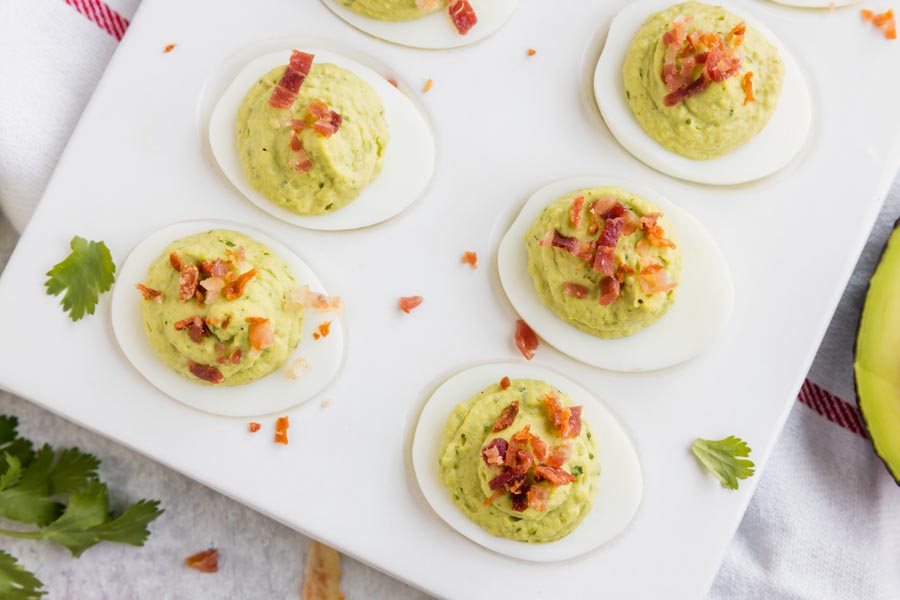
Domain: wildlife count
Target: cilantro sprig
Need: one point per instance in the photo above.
(57, 496)
(85, 274)
(722, 459)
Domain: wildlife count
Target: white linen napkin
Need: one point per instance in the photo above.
(825, 520)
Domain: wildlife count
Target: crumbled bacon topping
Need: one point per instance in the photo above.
(303, 296)
(506, 417)
(566, 420)
(325, 121)
(187, 282)
(558, 455)
(295, 73)
(471, 259)
(575, 289)
(537, 497)
(407, 303)
(235, 289)
(526, 339)
(463, 15)
(324, 329)
(260, 333)
(653, 279)
(609, 290)
(621, 271)
(656, 235)
(747, 85)
(176, 262)
(504, 383)
(605, 260)
(212, 285)
(196, 327)
(884, 21)
(281, 429)
(576, 211)
(149, 293)
(495, 452)
(254, 427)
(553, 475)
(206, 561)
(207, 373)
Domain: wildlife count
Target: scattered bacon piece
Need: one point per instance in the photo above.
(212, 285)
(393, 82)
(506, 418)
(196, 328)
(506, 479)
(471, 259)
(574, 246)
(301, 161)
(296, 145)
(622, 271)
(295, 124)
(324, 328)
(517, 442)
(526, 340)
(427, 87)
(149, 293)
(553, 475)
(303, 296)
(295, 368)
(205, 372)
(285, 92)
(537, 497)
(176, 262)
(168, 48)
(504, 383)
(463, 16)
(747, 84)
(520, 501)
(612, 231)
(609, 290)
(223, 359)
(205, 562)
(736, 35)
(576, 211)
(236, 257)
(532, 52)
(235, 289)
(605, 260)
(254, 427)
(720, 59)
(558, 455)
(867, 15)
(261, 334)
(226, 322)
(575, 289)
(884, 21)
(539, 447)
(281, 428)
(566, 420)
(187, 282)
(653, 279)
(495, 452)
(407, 303)
(318, 109)
(654, 231)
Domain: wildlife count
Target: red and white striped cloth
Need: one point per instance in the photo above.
(825, 520)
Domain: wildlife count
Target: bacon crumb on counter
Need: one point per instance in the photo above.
(407, 303)
(168, 48)
(254, 427)
(206, 561)
(884, 21)
(427, 87)
(281, 429)
(532, 52)
(149, 293)
(322, 579)
(866, 14)
(504, 383)
(526, 339)
(470, 258)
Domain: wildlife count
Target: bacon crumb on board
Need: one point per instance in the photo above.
(532, 52)
(504, 383)
(254, 427)
(149, 293)
(407, 303)
(322, 579)
(427, 87)
(206, 561)
(470, 258)
(393, 82)
(168, 48)
(526, 339)
(281, 429)
(884, 21)
(323, 330)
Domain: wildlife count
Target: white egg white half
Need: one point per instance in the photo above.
(621, 482)
(435, 31)
(817, 3)
(703, 303)
(768, 152)
(408, 159)
(272, 393)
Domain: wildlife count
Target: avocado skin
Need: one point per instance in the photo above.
(880, 409)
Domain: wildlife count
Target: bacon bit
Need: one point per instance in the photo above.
(281, 428)
(537, 497)
(205, 372)
(303, 296)
(884, 21)
(471, 259)
(655, 233)
(747, 84)
(575, 289)
(213, 286)
(506, 479)
(195, 326)
(566, 420)
(407, 303)
(609, 290)
(576, 210)
(427, 87)
(168, 48)
(642, 248)
(149, 293)
(213, 321)
(622, 271)
(553, 475)
(205, 562)
(654, 279)
(235, 289)
(517, 442)
(559, 455)
(324, 328)
(605, 260)
(504, 383)
(393, 82)
(285, 92)
(520, 501)
(222, 359)
(295, 124)
(301, 161)
(296, 144)
(261, 334)
(526, 340)
(325, 403)
(495, 496)
(236, 257)
(736, 35)
(463, 16)
(187, 282)
(539, 447)
(226, 322)
(495, 452)
(254, 427)
(720, 60)
(506, 418)
(296, 368)
(574, 246)
(322, 580)
(867, 15)
(612, 231)
(176, 262)
(327, 123)
(426, 5)
(532, 52)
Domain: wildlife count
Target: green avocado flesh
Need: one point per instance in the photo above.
(876, 365)
(391, 10)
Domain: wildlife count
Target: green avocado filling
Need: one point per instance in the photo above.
(718, 119)
(343, 164)
(242, 338)
(540, 511)
(643, 270)
(391, 10)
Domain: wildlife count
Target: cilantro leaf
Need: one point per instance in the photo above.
(15, 582)
(12, 444)
(83, 275)
(721, 458)
(86, 521)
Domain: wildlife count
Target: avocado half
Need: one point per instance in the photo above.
(876, 363)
